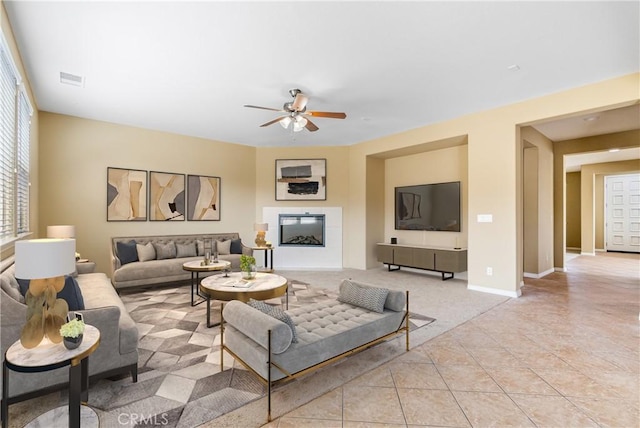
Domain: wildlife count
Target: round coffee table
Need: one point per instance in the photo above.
(195, 267)
(232, 287)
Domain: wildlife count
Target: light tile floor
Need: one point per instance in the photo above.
(565, 354)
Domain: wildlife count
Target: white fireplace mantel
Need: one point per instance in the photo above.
(287, 257)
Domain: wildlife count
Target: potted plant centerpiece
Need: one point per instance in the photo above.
(71, 333)
(248, 266)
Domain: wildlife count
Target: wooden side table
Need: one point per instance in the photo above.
(50, 356)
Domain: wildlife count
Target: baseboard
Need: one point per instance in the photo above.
(498, 291)
(560, 269)
(584, 253)
(538, 275)
(572, 249)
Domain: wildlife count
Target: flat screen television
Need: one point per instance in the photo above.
(428, 207)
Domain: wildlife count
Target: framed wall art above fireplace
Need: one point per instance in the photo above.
(301, 180)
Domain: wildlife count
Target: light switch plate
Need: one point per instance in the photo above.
(485, 218)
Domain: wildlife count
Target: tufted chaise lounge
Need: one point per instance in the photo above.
(326, 331)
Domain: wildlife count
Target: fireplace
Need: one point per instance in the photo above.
(306, 230)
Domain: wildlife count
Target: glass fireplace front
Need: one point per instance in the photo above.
(305, 230)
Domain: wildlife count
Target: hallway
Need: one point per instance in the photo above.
(564, 354)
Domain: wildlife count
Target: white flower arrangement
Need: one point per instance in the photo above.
(73, 328)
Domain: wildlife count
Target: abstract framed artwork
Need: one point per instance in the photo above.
(203, 198)
(126, 194)
(166, 196)
(301, 179)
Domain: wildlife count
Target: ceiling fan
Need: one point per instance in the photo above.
(296, 113)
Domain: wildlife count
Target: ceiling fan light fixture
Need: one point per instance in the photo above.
(285, 122)
(299, 123)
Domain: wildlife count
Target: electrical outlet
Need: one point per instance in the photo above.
(489, 271)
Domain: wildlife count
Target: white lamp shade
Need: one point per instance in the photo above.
(44, 258)
(261, 227)
(61, 231)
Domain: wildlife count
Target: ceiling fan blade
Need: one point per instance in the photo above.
(311, 127)
(300, 102)
(271, 122)
(264, 108)
(329, 114)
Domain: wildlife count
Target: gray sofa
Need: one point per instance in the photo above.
(116, 354)
(326, 331)
(169, 270)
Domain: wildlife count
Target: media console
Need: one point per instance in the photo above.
(447, 261)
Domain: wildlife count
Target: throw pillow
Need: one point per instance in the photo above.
(224, 247)
(70, 292)
(127, 252)
(146, 252)
(165, 251)
(24, 285)
(277, 313)
(236, 246)
(371, 298)
(186, 250)
(200, 247)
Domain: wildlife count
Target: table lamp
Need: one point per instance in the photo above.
(64, 231)
(44, 262)
(261, 229)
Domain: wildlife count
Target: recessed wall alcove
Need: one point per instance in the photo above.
(438, 161)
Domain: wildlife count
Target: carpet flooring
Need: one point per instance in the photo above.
(180, 382)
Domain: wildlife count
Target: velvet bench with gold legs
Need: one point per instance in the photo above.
(323, 332)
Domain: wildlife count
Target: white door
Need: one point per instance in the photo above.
(622, 196)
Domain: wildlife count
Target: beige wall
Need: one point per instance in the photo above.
(538, 234)
(376, 198)
(75, 154)
(599, 213)
(530, 210)
(573, 210)
(581, 145)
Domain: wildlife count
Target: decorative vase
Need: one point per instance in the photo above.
(249, 274)
(72, 342)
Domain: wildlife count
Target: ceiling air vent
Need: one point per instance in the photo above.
(71, 79)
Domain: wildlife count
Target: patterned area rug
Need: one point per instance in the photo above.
(180, 383)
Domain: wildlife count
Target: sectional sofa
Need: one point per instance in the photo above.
(138, 261)
(118, 350)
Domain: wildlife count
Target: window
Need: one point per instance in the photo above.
(15, 130)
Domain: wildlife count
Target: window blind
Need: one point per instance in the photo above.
(23, 134)
(15, 118)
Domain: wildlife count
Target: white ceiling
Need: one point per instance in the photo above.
(189, 67)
